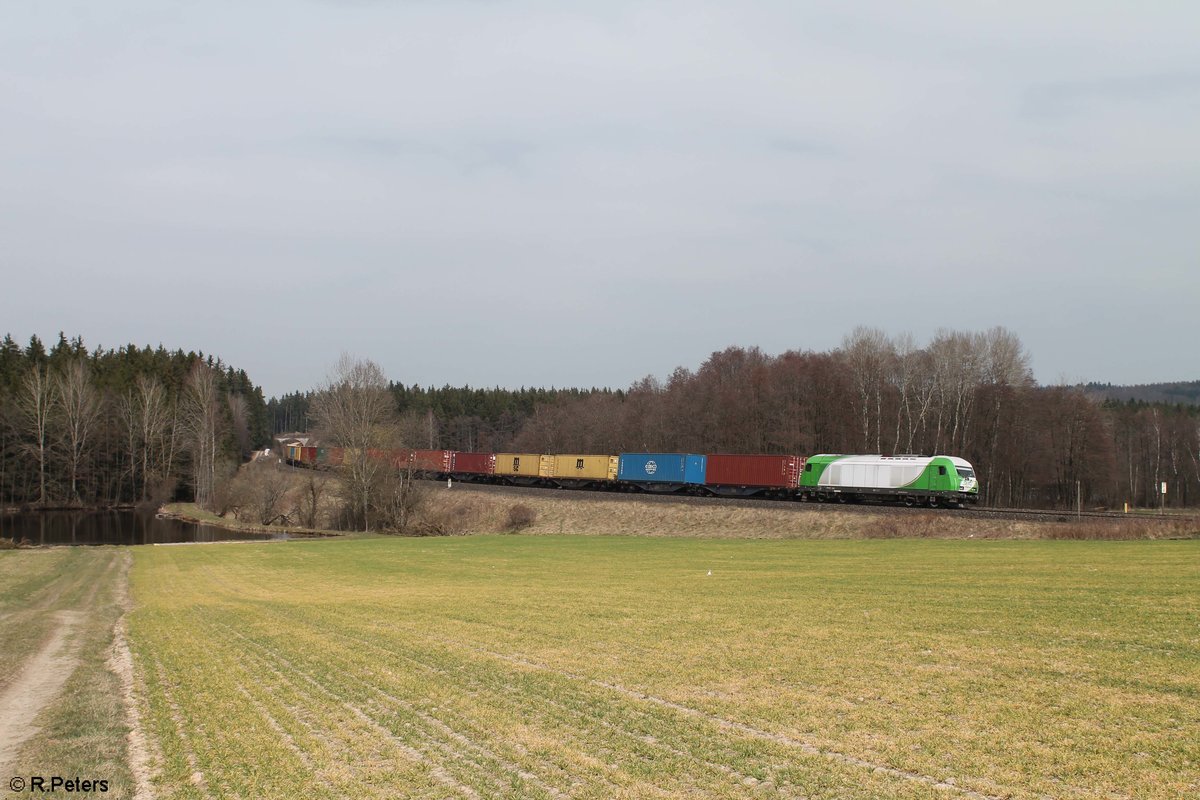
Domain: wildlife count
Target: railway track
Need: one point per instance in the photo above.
(977, 512)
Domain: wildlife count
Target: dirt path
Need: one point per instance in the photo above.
(38, 682)
(85, 588)
(120, 661)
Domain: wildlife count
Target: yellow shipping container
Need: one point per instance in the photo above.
(524, 464)
(593, 468)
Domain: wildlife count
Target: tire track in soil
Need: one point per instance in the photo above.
(479, 750)
(40, 680)
(120, 662)
(724, 769)
(46, 671)
(740, 727)
(339, 752)
(196, 777)
(270, 660)
(461, 676)
(447, 729)
(288, 740)
(433, 722)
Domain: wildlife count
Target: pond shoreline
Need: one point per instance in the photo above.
(189, 512)
(36, 509)
(79, 527)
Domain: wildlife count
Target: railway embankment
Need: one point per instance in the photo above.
(467, 509)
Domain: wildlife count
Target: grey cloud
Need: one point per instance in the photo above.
(1066, 97)
(591, 192)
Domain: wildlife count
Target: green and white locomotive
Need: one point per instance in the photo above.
(912, 480)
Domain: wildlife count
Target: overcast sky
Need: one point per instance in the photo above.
(547, 193)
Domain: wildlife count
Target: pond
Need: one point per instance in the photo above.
(114, 527)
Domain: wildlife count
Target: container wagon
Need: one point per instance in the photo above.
(378, 455)
(431, 462)
(578, 470)
(662, 472)
(519, 468)
(467, 465)
(745, 475)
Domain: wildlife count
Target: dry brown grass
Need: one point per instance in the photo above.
(520, 517)
(448, 513)
(483, 513)
(461, 511)
(1119, 530)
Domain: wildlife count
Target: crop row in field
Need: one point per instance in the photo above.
(597, 667)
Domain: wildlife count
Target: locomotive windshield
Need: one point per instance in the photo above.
(966, 473)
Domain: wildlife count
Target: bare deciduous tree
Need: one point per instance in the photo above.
(355, 409)
(151, 434)
(79, 406)
(239, 417)
(202, 417)
(258, 493)
(901, 377)
(869, 353)
(35, 404)
(308, 507)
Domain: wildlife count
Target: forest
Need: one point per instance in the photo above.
(139, 425)
(964, 393)
(118, 427)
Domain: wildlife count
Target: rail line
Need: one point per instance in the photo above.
(977, 512)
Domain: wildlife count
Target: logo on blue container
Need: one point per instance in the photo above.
(651, 468)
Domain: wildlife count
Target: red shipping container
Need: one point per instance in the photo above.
(334, 457)
(431, 460)
(474, 463)
(781, 472)
(308, 455)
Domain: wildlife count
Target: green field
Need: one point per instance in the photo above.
(513, 666)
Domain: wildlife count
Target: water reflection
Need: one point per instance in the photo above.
(113, 527)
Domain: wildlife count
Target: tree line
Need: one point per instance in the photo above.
(970, 394)
(128, 425)
(120, 426)
(453, 418)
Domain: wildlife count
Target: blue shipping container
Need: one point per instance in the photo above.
(661, 468)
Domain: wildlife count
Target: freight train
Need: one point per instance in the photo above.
(945, 481)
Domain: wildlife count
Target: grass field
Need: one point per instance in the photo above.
(516, 666)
